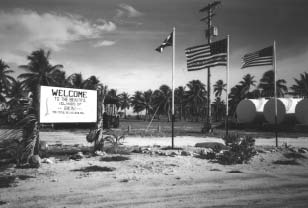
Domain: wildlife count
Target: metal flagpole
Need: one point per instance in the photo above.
(173, 66)
(227, 91)
(275, 91)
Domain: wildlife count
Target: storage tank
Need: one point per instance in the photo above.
(285, 110)
(250, 110)
(301, 111)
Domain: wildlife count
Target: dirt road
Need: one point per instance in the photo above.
(143, 180)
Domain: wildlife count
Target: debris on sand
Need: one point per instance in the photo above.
(99, 153)
(78, 156)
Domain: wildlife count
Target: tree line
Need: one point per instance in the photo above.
(190, 100)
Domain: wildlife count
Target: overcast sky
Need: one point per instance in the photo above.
(115, 39)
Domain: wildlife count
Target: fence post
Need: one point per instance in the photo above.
(159, 128)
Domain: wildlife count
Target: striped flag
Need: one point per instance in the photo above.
(259, 58)
(208, 55)
(167, 42)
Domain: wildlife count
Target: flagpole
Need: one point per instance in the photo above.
(173, 67)
(227, 91)
(275, 92)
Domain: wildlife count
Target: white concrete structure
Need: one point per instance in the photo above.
(250, 110)
(301, 111)
(285, 109)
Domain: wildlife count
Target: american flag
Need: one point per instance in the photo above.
(259, 58)
(208, 55)
(167, 42)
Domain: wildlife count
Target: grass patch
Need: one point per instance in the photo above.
(170, 148)
(234, 171)
(2, 202)
(95, 168)
(215, 169)
(286, 162)
(114, 158)
(294, 155)
(8, 181)
(212, 145)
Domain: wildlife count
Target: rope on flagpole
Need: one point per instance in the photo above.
(227, 91)
(173, 67)
(275, 92)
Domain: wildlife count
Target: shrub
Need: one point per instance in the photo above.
(115, 140)
(241, 150)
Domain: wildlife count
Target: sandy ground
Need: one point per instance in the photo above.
(79, 138)
(144, 180)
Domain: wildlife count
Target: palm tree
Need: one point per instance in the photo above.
(59, 76)
(137, 102)
(301, 86)
(235, 96)
(124, 102)
(162, 99)
(148, 95)
(75, 81)
(16, 94)
(247, 82)
(219, 87)
(179, 98)
(195, 98)
(39, 72)
(267, 85)
(5, 79)
(142, 101)
(219, 108)
(91, 83)
(113, 98)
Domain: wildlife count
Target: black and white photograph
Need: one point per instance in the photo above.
(153, 103)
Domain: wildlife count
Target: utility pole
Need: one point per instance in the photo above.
(211, 31)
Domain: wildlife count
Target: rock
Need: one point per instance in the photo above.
(47, 160)
(77, 156)
(99, 153)
(185, 153)
(173, 154)
(35, 161)
(54, 180)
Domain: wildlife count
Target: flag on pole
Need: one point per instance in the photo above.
(167, 42)
(259, 58)
(208, 55)
(170, 41)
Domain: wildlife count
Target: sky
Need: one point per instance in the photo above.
(115, 40)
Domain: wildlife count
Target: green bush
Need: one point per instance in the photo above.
(242, 149)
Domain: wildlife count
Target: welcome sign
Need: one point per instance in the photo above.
(67, 105)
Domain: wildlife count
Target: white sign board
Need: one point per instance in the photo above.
(67, 105)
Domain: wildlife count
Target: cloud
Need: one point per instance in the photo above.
(27, 30)
(128, 11)
(104, 43)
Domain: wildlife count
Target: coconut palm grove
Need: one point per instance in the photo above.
(190, 100)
